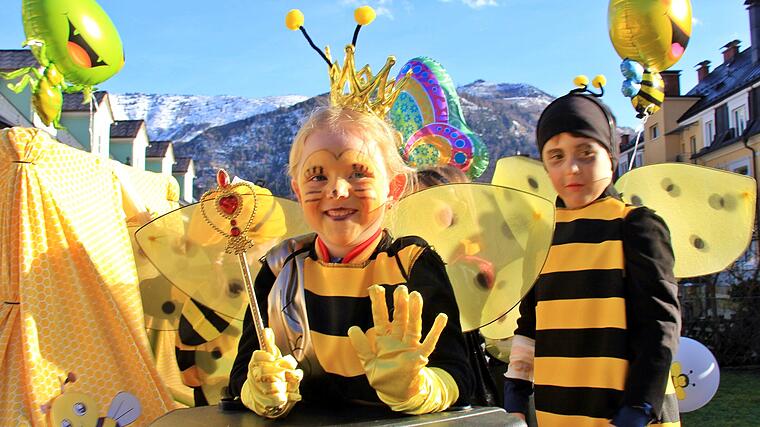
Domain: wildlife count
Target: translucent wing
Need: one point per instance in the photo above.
(493, 239)
(188, 245)
(710, 212)
(214, 361)
(162, 302)
(524, 173)
(125, 408)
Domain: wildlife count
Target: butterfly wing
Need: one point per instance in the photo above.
(494, 241)
(710, 212)
(429, 116)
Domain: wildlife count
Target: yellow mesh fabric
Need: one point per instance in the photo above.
(68, 285)
(145, 196)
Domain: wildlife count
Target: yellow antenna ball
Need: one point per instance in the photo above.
(294, 19)
(364, 15)
(580, 81)
(599, 81)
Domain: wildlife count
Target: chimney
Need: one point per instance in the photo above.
(703, 70)
(672, 79)
(730, 50)
(753, 6)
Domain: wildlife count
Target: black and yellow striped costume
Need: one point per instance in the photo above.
(310, 304)
(604, 316)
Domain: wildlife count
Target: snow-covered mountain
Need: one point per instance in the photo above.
(182, 117)
(251, 137)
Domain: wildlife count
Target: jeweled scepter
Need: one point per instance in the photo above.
(228, 200)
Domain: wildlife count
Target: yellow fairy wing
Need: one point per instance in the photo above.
(162, 302)
(504, 327)
(188, 245)
(710, 212)
(215, 360)
(524, 173)
(494, 241)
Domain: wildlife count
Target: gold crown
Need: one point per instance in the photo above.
(349, 88)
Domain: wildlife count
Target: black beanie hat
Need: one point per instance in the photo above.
(579, 114)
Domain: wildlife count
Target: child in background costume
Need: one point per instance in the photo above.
(319, 292)
(597, 333)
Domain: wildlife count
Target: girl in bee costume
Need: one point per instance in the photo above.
(597, 333)
(326, 296)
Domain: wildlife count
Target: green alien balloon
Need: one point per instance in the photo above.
(78, 36)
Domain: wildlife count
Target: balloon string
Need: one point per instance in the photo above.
(638, 137)
(92, 128)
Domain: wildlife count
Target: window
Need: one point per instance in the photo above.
(740, 166)
(693, 144)
(742, 170)
(709, 133)
(639, 159)
(740, 120)
(654, 132)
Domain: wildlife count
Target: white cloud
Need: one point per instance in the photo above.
(695, 21)
(477, 4)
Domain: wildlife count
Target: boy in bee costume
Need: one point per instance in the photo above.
(326, 296)
(597, 333)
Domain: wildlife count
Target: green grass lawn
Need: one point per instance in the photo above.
(737, 402)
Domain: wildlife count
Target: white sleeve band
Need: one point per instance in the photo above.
(521, 358)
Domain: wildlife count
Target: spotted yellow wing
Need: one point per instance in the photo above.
(187, 246)
(524, 173)
(494, 241)
(710, 212)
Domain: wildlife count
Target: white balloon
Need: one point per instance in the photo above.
(695, 375)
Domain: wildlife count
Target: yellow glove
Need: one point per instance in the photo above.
(271, 389)
(395, 361)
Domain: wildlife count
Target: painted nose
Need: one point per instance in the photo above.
(339, 190)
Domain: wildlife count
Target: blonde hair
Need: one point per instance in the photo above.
(365, 126)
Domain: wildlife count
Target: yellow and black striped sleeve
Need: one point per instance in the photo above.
(654, 319)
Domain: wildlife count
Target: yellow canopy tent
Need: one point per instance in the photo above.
(69, 296)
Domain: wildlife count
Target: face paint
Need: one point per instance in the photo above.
(342, 185)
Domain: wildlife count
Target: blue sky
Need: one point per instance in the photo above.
(241, 47)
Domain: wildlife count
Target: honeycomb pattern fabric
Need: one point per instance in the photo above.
(68, 287)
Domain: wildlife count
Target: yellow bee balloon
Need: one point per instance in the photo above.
(652, 32)
(650, 97)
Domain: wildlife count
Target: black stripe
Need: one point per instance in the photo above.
(650, 98)
(648, 81)
(188, 335)
(218, 322)
(598, 342)
(325, 389)
(587, 231)
(336, 314)
(185, 358)
(580, 284)
(585, 401)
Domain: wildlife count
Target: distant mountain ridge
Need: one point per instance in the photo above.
(251, 137)
(182, 117)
